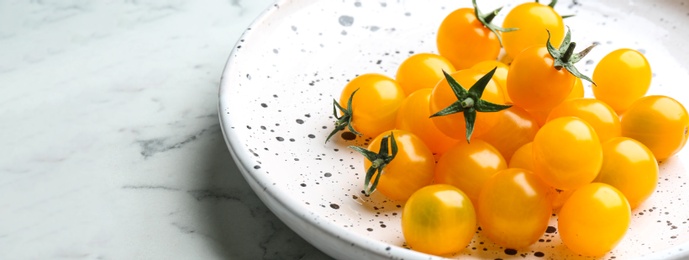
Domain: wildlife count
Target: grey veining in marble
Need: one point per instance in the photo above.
(110, 135)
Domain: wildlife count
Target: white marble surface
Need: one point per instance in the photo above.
(110, 135)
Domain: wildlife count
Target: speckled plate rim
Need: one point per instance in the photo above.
(294, 214)
(304, 222)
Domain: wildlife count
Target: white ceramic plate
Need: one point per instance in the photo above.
(276, 105)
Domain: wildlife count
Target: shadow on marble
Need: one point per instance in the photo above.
(241, 226)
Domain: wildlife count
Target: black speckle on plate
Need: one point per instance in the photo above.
(346, 20)
(348, 136)
(510, 251)
(550, 229)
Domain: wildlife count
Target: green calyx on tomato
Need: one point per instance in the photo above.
(378, 161)
(469, 102)
(552, 3)
(565, 56)
(486, 20)
(344, 121)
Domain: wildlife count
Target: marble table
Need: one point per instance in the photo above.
(110, 135)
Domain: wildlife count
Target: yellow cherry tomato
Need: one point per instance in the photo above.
(374, 105)
(523, 158)
(414, 116)
(659, 122)
(453, 125)
(577, 90)
(541, 116)
(559, 197)
(534, 84)
(513, 208)
(532, 19)
(599, 115)
(500, 76)
(514, 128)
(422, 70)
(438, 219)
(621, 77)
(467, 166)
(465, 41)
(594, 219)
(630, 167)
(567, 153)
(412, 168)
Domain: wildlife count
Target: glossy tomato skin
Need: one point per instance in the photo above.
(594, 219)
(523, 158)
(622, 77)
(500, 76)
(514, 208)
(577, 90)
(464, 40)
(532, 19)
(414, 116)
(467, 166)
(660, 123)
(412, 168)
(567, 153)
(534, 84)
(422, 70)
(374, 106)
(514, 128)
(541, 116)
(453, 125)
(630, 167)
(559, 197)
(438, 219)
(599, 115)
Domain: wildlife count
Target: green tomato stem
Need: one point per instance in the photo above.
(552, 3)
(468, 102)
(490, 16)
(567, 55)
(377, 163)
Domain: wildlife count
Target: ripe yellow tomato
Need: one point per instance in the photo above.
(513, 208)
(559, 197)
(422, 70)
(438, 219)
(532, 19)
(599, 115)
(453, 125)
(659, 122)
(577, 90)
(374, 105)
(523, 158)
(465, 41)
(534, 84)
(630, 167)
(411, 169)
(514, 128)
(594, 219)
(500, 76)
(567, 153)
(467, 166)
(541, 116)
(414, 116)
(621, 77)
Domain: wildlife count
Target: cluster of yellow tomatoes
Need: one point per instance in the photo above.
(468, 141)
